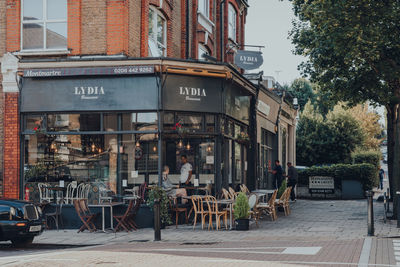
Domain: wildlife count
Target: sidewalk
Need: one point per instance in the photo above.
(309, 220)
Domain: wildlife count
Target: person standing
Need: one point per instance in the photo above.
(277, 172)
(292, 179)
(381, 176)
(186, 171)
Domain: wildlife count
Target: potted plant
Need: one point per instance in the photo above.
(242, 137)
(241, 212)
(159, 193)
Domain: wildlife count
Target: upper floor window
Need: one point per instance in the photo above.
(44, 24)
(157, 33)
(204, 7)
(232, 23)
(202, 51)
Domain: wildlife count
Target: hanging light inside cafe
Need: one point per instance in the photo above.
(155, 148)
(209, 148)
(93, 148)
(188, 146)
(180, 144)
(137, 143)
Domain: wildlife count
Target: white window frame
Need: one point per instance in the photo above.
(204, 8)
(232, 23)
(201, 50)
(44, 21)
(154, 37)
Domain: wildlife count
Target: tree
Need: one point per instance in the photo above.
(327, 141)
(353, 50)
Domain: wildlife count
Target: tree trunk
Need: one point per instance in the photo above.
(394, 152)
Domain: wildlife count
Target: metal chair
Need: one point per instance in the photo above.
(56, 214)
(44, 193)
(70, 194)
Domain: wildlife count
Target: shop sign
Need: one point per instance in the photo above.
(89, 94)
(321, 184)
(192, 93)
(263, 107)
(60, 72)
(248, 60)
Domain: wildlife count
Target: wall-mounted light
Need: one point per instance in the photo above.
(295, 103)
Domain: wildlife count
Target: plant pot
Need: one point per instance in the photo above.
(242, 224)
(281, 208)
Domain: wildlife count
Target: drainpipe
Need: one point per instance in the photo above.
(187, 29)
(221, 20)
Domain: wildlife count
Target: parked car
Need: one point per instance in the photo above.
(20, 221)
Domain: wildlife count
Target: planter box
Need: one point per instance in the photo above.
(352, 189)
(304, 192)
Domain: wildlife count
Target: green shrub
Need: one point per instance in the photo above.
(159, 193)
(365, 173)
(371, 157)
(241, 206)
(281, 189)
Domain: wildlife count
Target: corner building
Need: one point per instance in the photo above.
(107, 92)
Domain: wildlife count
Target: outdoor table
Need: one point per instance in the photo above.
(263, 193)
(56, 189)
(103, 206)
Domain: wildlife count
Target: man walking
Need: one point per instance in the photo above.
(381, 176)
(292, 179)
(277, 172)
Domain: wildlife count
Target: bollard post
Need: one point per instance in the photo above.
(157, 221)
(370, 194)
(398, 208)
(388, 200)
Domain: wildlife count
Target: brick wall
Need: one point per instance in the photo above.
(11, 146)
(3, 23)
(74, 26)
(117, 35)
(94, 20)
(134, 20)
(13, 25)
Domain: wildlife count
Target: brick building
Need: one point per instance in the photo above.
(87, 93)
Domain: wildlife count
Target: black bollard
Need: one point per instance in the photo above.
(370, 194)
(157, 221)
(398, 208)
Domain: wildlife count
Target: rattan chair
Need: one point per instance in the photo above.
(199, 210)
(213, 210)
(269, 207)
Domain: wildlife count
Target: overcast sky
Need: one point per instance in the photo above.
(268, 23)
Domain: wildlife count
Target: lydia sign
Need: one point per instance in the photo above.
(89, 92)
(248, 60)
(191, 93)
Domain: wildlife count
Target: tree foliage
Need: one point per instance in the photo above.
(327, 141)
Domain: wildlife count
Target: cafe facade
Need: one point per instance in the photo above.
(115, 125)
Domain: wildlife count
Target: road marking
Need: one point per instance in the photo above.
(286, 250)
(366, 249)
(396, 248)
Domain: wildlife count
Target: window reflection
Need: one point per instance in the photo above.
(73, 122)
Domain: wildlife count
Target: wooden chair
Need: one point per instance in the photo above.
(123, 220)
(269, 207)
(225, 193)
(178, 210)
(254, 212)
(286, 206)
(244, 189)
(232, 193)
(85, 215)
(198, 209)
(281, 202)
(213, 210)
(132, 215)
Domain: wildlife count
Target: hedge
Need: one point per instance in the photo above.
(371, 157)
(365, 173)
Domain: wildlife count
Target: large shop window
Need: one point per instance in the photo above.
(103, 151)
(232, 28)
(157, 33)
(44, 24)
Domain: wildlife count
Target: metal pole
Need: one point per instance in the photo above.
(157, 222)
(370, 213)
(398, 209)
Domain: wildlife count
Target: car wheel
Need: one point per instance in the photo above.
(22, 241)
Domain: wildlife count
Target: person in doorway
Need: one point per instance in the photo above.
(186, 171)
(292, 179)
(278, 173)
(172, 190)
(381, 176)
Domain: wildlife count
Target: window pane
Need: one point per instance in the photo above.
(33, 9)
(160, 29)
(56, 9)
(73, 122)
(169, 121)
(139, 121)
(32, 35)
(151, 24)
(56, 35)
(190, 122)
(210, 123)
(110, 122)
(35, 123)
(89, 159)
